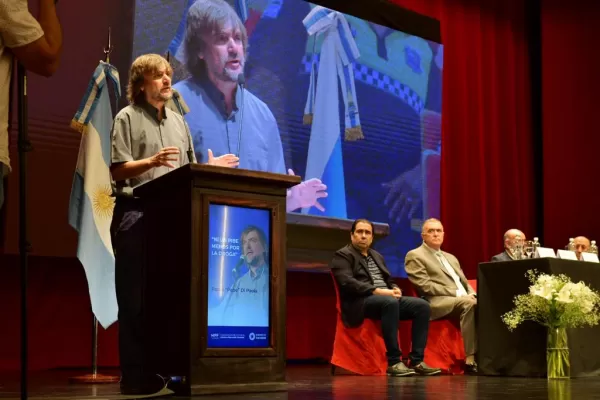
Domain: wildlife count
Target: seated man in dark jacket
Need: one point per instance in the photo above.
(367, 291)
(510, 238)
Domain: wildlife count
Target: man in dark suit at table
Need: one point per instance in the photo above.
(438, 278)
(510, 237)
(368, 291)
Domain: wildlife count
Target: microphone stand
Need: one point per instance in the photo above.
(23, 146)
(242, 83)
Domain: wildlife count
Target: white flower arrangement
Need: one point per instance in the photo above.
(555, 302)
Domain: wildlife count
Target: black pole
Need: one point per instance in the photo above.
(24, 146)
(533, 9)
(94, 348)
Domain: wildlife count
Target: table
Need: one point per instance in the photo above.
(523, 351)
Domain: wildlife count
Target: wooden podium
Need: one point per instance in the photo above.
(176, 225)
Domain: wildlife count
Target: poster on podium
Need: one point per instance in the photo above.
(238, 277)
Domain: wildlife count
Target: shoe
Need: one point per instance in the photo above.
(149, 386)
(426, 370)
(399, 369)
(471, 369)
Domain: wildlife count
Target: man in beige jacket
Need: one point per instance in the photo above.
(438, 278)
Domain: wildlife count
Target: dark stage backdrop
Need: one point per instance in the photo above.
(487, 174)
(570, 104)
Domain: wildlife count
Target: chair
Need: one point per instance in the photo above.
(360, 350)
(445, 347)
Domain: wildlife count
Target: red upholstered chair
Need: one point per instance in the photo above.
(359, 350)
(445, 348)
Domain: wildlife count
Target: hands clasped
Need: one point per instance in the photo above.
(395, 292)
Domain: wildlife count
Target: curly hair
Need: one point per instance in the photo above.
(143, 65)
(208, 17)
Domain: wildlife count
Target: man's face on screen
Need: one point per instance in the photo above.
(224, 54)
(253, 249)
(157, 86)
(362, 237)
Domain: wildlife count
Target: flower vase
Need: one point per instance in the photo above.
(557, 354)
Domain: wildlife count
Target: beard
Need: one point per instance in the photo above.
(256, 261)
(166, 96)
(229, 75)
(163, 96)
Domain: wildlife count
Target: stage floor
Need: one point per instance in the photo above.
(314, 382)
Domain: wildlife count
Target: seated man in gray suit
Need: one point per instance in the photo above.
(367, 290)
(438, 278)
(509, 240)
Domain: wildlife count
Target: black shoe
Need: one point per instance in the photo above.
(149, 386)
(425, 370)
(471, 369)
(399, 369)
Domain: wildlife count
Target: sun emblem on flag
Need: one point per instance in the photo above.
(103, 202)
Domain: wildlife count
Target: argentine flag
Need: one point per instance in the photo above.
(91, 203)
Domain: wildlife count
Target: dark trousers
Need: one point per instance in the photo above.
(127, 240)
(390, 311)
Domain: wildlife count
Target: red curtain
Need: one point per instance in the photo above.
(487, 187)
(570, 88)
(487, 147)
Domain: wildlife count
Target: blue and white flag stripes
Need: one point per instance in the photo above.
(91, 203)
(338, 52)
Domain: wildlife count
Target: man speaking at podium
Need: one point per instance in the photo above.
(148, 140)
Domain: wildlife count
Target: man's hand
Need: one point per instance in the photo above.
(388, 292)
(306, 194)
(163, 157)
(226, 160)
(404, 195)
(40, 56)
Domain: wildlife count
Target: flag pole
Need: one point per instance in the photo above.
(94, 377)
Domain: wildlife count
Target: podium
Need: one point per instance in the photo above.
(194, 298)
(523, 351)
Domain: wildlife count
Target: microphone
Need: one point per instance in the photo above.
(241, 80)
(176, 100)
(241, 262)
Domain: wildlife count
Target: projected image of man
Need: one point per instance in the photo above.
(224, 117)
(247, 303)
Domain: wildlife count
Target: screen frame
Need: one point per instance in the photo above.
(381, 12)
(387, 13)
(274, 277)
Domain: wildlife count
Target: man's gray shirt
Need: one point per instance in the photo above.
(137, 134)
